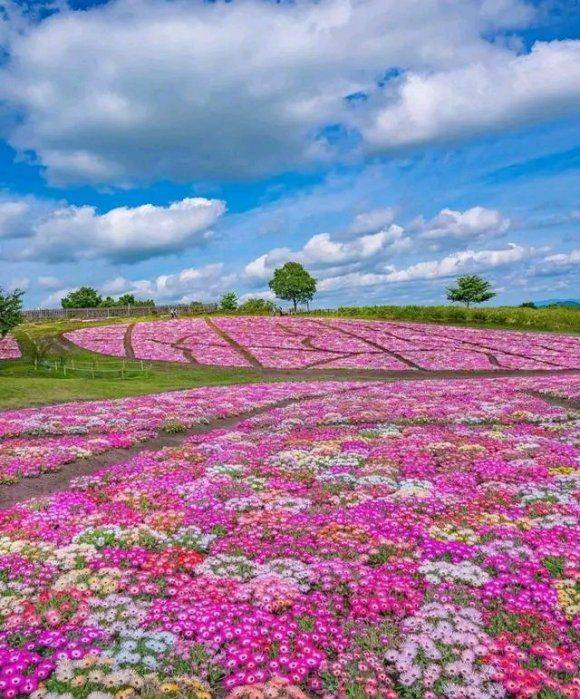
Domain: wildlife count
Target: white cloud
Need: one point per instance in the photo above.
(148, 89)
(12, 216)
(500, 92)
(192, 284)
(558, 263)
(463, 261)
(49, 282)
(267, 295)
(18, 215)
(330, 256)
(123, 234)
(323, 251)
(54, 299)
(447, 266)
(477, 222)
(370, 221)
(22, 283)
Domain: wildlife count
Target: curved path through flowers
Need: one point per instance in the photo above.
(55, 480)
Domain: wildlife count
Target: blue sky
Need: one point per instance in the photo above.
(181, 149)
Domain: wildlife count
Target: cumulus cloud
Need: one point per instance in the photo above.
(323, 251)
(124, 234)
(485, 95)
(191, 284)
(448, 266)
(370, 221)
(477, 222)
(267, 295)
(19, 215)
(328, 255)
(148, 89)
(558, 263)
(49, 282)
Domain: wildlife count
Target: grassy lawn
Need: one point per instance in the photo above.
(21, 384)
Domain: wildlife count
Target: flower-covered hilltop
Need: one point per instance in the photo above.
(300, 343)
(414, 539)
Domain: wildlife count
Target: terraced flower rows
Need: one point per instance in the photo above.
(408, 539)
(300, 343)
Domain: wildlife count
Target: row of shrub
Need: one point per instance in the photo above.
(553, 319)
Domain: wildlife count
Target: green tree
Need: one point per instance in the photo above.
(10, 310)
(85, 297)
(470, 288)
(128, 300)
(293, 283)
(528, 304)
(257, 306)
(229, 302)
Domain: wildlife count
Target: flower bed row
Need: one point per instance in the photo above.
(350, 548)
(9, 348)
(40, 440)
(298, 343)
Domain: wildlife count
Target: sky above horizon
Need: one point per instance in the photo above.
(180, 149)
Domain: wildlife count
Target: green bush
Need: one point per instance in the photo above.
(256, 306)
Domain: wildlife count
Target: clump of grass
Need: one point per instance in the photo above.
(173, 426)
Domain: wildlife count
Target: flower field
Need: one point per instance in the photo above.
(299, 343)
(408, 539)
(40, 440)
(9, 348)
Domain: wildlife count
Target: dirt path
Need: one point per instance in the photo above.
(372, 343)
(236, 345)
(48, 483)
(560, 402)
(128, 342)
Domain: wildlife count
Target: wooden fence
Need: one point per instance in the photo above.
(114, 312)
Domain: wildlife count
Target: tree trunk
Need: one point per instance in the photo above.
(295, 305)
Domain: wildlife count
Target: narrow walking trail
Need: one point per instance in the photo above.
(48, 483)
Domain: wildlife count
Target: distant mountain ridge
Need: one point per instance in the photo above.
(557, 302)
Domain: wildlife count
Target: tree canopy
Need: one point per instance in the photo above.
(470, 288)
(229, 302)
(256, 306)
(10, 310)
(293, 283)
(126, 300)
(85, 297)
